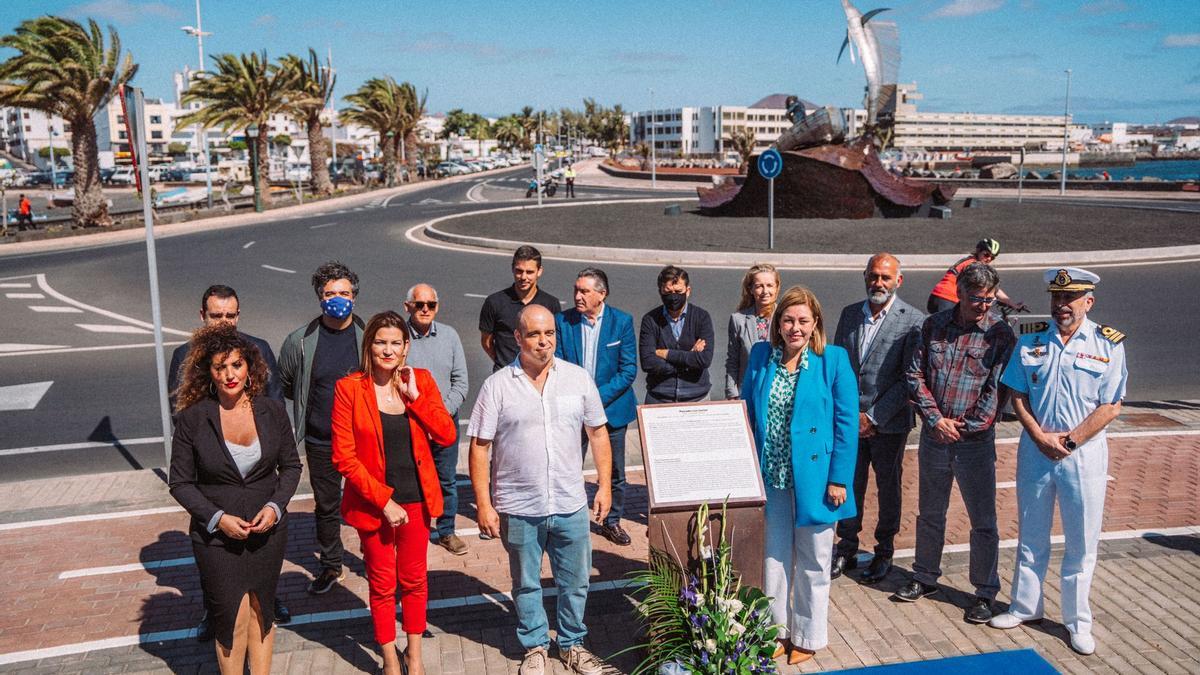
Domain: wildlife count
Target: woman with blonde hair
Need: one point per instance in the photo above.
(386, 417)
(750, 323)
(234, 467)
(802, 398)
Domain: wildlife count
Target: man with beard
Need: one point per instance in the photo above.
(1068, 382)
(880, 334)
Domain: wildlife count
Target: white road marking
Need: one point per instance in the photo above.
(15, 284)
(111, 515)
(358, 208)
(474, 295)
(55, 309)
(428, 202)
(23, 396)
(16, 347)
(34, 350)
(278, 269)
(475, 193)
(1115, 535)
(132, 567)
(388, 201)
(25, 296)
(79, 446)
(112, 328)
(247, 244)
(317, 227)
(41, 281)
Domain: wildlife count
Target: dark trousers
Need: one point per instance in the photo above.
(883, 453)
(972, 464)
(25, 221)
(445, 458)
(570, 187)
(327, 493)
(616, 440)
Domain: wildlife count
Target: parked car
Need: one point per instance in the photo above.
(122, 175)
(298, 173)
(451, 169)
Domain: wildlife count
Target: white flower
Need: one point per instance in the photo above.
(710, 645)
(735, 605)
(737, 628)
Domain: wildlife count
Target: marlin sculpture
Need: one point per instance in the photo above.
(878, 46)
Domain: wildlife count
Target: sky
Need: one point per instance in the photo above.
(1131, 60)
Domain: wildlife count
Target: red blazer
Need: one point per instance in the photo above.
(358, 446)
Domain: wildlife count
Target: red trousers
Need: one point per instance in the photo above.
(396, 556)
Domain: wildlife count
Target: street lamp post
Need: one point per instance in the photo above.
(53, 170)
(252, 137)
(391, 170)
(201, 135)
(653, 144)
(1062, 186)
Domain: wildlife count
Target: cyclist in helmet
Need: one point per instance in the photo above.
(945, 293)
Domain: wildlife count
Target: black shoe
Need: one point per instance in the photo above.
(326, 580)
(204, 629)
(842, 563)
(282, 614)
(877, 571)
(980, 611)
(914, 591)
(615, 534)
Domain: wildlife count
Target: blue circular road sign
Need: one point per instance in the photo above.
(770, 164)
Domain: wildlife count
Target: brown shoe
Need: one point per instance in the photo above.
(453, 544)
(798, 655)
(781, 648)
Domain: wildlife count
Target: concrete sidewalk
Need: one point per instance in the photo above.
(100, 579)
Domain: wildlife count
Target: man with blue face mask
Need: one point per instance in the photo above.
(313, 358)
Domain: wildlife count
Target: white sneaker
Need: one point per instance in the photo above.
(534, 662)
(577, 659)
(1083, 644)
(1008, 620)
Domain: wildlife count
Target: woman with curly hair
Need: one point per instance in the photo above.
(385, 418)
(234, 467)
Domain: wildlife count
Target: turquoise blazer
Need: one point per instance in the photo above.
(824, 428)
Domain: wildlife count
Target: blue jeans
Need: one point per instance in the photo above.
(616, 440)
(445, 458)
(566, 538)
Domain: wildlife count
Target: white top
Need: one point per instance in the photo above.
(870, 327)
(245, 456)
(537, 452)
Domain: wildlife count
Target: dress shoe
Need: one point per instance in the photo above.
(980, 611)
(204, 629)
(1008, 620)
(781, 648)
(282, 614)
(914, 591)
(615, 533)
(842, 563)
(797, 655)
(1083, 644)
(876, 571)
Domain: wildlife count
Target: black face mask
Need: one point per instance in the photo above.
(673, 301)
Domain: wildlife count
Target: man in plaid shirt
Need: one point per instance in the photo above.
(954, 379)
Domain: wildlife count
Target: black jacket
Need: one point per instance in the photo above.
(683, 375)
(274, 388)
(204, 478)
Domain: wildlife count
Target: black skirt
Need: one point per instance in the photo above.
(230, 568)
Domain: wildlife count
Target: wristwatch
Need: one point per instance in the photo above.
(1069, 444)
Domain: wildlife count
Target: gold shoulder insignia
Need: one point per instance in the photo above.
(1034, 327)
(1111, 334)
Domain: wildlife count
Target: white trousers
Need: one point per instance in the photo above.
(1079, 483)
(796, 573)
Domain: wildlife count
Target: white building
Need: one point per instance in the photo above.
(707, 130)
(25, 132)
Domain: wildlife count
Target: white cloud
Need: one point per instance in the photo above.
(120, 11)
(1182, 40)
(959, 8)
(1101, 7)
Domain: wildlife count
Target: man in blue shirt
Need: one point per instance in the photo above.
(600, 338)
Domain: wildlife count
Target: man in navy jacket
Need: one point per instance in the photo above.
(599, 338)
(676, 343)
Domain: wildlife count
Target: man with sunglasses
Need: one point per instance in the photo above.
(437, 348)
(954, 380)
(220, 304)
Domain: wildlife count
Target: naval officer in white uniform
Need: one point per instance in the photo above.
(1068, 381)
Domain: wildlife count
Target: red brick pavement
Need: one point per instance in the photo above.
(1156, 486)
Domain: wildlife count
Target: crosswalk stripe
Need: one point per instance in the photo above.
(112, 328)
(25, 296)
(56, 309)
(15, 284)
(23, 396)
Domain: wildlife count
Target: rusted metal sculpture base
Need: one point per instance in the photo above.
(828, 181)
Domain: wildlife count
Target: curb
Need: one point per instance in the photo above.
(428, 234)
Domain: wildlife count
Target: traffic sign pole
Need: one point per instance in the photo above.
(770, 165)
(771, 214)
(538, 160)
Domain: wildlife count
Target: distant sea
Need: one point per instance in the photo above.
(1182, 169)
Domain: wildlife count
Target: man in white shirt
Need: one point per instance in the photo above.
(530, 416)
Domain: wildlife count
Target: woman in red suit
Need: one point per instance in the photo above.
(384, 417)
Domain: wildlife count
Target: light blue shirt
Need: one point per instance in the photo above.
(676, 324)
(1066, 382)
(591, 339)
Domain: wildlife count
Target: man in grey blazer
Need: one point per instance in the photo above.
(880, 334)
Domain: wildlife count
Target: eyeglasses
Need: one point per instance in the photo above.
(981, 300)
(421, 306)
(228, 316)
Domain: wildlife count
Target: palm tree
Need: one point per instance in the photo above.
(313, 84)
(379, 104)
(64, 69)
(742, 141)
(509, 132)
(480, 131)
(242, 90)
(529, 121)
(413, 108)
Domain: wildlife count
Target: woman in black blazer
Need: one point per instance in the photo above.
(234, 467)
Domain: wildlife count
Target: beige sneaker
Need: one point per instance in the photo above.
(534, 662)
(453, 544)
(579, 660)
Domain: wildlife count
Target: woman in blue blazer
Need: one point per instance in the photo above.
(802, 398)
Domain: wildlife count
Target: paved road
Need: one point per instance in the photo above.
(91, 381)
